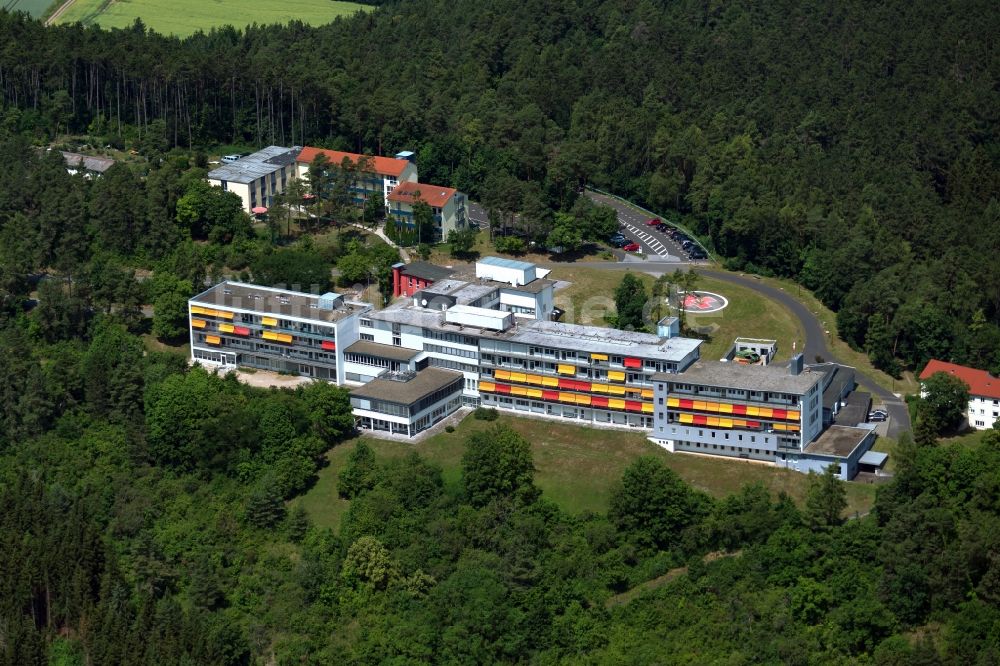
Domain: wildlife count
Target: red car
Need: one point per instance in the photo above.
(631, 247)
(655, 221)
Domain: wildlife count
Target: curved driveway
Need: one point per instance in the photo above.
(816, 337)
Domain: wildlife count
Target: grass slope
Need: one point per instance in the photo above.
(184, 17)
(36, 8)
(576, 467)
(749, 314)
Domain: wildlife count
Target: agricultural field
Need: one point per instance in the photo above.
(576, 467)
(34, 7)
(184, 17)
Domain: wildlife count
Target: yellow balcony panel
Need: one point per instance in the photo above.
(792, 416)
(599, 388)
(713, 421)
(269, 335)
(614, 403)
(566, 397)
(616, 376)
(518, 390)
(519, 377)
(502, 374)
(269, 321)
(213, 340)
(725, 408)
(226, 328)
(616, 390)
(687, 418)
(198, 323)
(533, 379)
(284, 337)
(753, 411)
(647, 408)
(598, 357)
(197, 309)
(712, 406)
(583, 399)
(673, 402)
(534, 393)
(488, 387)
(223, 314)
(766, 412)
(550, 381)
(699, 405)
(725, 423)
(647, 393)
(565, 369)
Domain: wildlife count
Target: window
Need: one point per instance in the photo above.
(368, 336)
(659, 401)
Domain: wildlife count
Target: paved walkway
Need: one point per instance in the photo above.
(380, 232)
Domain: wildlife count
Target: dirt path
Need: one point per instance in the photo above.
(660, 581)
(59, 12)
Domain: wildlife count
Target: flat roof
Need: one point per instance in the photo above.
(506, 263)
(280, 302)
(380, 350)
(540, 333)
(419, 385)
(838, 441)
(426, 271)
(533, 287)
(772, 378)
(875, 458)
(262, 163)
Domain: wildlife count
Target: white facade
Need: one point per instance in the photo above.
(527, 304)
(505, 270)
(982, 412)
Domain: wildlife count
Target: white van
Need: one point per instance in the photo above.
(229, 159)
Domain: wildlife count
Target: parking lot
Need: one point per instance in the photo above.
(654, 243)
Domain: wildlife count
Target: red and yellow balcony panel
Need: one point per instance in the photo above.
(567, 397)
(734, 409)
(567, 384)
(277, 337)
(211, 312)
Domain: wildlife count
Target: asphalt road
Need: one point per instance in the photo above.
(816, 343)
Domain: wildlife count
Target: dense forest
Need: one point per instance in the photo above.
(851, 146)
(150, 513)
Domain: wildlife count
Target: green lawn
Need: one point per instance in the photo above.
(749, 314)
(577, 467)
(184, 17)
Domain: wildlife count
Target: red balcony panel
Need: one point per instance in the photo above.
(550, 395)
(686, 404)
(503, 388)
(633, 406)
(779, 413)
(633, 362)
(598, 401)
(739, 409)
(753, 424)
(568, 384)
(241, 330)
(700, 420)
(328, 344)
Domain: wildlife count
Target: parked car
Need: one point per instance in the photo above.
(878, 415)
(688, 244)
(665, 228)
(697, 253)
(654, 222)
(631, 247)
(229, 159)
(618, 242)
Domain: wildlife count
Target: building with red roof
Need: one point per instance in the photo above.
(984, 391)
(447, 204)
(376, 174)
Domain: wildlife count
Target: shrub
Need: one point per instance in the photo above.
(485, 414)
(449, 428)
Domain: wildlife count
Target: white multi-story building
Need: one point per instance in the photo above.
(984, 392)
(755, 412)
(373, 174)
(244, 325)
(258, 177)
(448, 206)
